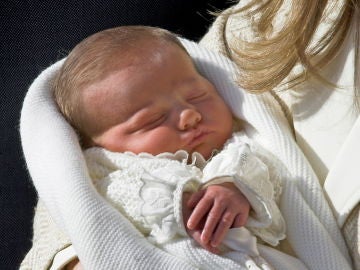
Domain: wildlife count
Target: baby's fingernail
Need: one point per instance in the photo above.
(203, 238)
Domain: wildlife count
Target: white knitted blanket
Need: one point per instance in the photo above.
(104, 239)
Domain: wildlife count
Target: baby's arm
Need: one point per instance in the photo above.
(239, 165)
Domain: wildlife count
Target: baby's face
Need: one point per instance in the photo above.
(160, 104)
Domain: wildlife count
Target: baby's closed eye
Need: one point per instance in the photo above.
(154, 121)
(197, 97)
(146, 120)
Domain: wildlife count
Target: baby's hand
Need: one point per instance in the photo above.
(219, 207)
(196, 232)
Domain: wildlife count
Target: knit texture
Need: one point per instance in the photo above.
(104, 239)
(47, 241)
(351, 230)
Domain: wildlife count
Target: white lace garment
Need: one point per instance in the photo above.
(148, 190)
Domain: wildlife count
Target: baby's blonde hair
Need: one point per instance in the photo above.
(89, 62)
(266, 62)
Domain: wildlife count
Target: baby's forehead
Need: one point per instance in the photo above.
(147, 54)
(141, 51)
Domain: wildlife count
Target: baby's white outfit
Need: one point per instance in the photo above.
(148, 190)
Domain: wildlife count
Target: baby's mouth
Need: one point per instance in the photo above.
(197, 137)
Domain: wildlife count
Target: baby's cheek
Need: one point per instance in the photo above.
(161, 140)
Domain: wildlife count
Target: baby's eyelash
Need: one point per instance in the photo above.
(198, 96)
(142, 125)
(156, 121)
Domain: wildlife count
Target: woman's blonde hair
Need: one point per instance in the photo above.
(268, 60)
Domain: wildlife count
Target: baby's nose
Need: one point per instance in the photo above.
(189, 118)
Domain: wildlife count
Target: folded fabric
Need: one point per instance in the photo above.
(344, 194)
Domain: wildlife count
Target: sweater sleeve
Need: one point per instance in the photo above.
(256, 180)
(48, 240)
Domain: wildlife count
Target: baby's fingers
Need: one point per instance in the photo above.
(240, 220)
(195, 198)
(196, 235)
(229, 220)
(201, 209)
(212, 221)
(222, 228)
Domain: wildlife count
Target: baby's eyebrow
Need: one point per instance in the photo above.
(190, 80)
(141, 113)
(186, 81)
(138, 108)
